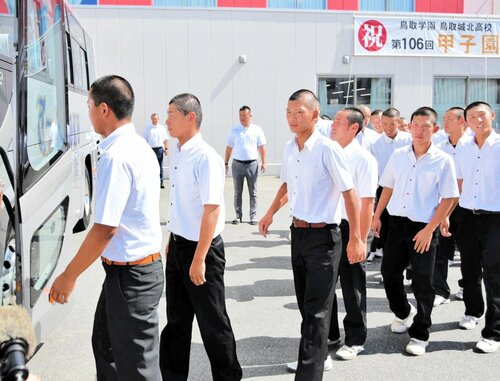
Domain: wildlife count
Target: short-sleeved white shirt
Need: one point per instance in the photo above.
(324, 126)
(367, 137)
(419, 185)
(128, 195)
(197, 178)
(363, 168)
(480, 171)
(155, 135)
(447, 147)
(315, 177)
(383, 148)
(245, 141)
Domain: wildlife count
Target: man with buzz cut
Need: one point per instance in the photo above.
(314, 175)
(478, 173)
(390, 140)
(194, 273)
(246, 141)
(127, 236)
(419, 188)
(347, 125)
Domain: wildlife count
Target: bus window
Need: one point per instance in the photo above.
(7, 24)
(77, 65)
(45, 249)
(46, 121)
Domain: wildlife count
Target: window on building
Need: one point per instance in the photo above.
(300, 4)
(387, 5)
(460, 91)
(336, 93)
(185, 3)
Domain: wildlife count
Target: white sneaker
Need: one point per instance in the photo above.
(468, 322)
(292, 366)
(460, 294)
(439, 300)
(348, 353)
(416, 347)
(402, 325)
(369, 258)
(487, 345)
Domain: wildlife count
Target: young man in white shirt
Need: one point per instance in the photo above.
(127, 236)
(347, 124)
(157, 138)
(246, 141)
(454, 126)
(194, 274)
(419, 187)
(366, 137)
(314, 174)
(478, 173)
(390, 140)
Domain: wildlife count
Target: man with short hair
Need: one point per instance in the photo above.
(314, 174)
(454, 126)
(127, 236)
(366, 137)
(245, 142)
(195, 253)
(157, 138)
(478, 173)
(390, 140)
(376, 121)
(363, 168)
(419, 188)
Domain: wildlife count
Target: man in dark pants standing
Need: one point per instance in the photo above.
(157, 138)
(478, 173)
(314, 174)
(195, 253)
(127, 234)
(454, 126)
(362, 165)
(246, 141)
(419, 189)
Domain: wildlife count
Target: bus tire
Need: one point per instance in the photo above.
(84, 222)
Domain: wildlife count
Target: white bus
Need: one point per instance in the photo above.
(47, 150)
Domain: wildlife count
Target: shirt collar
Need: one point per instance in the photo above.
(352, 146)
(433, 150)
(311, 141)
(113, 137)
(195, 140)
(491, 138)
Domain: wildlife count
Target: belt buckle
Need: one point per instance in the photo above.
(474, 212)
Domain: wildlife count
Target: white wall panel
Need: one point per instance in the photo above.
(164, 52)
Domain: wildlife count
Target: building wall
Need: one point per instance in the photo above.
(164, 52)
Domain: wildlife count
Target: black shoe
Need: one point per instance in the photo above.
(236, 221)
(162, 186)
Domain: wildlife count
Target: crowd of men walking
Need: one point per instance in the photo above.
(340, 180)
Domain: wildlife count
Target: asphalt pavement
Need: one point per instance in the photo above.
(261, 304)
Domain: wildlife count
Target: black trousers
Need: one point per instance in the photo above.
(159, 156)
(353, 283)
(446, 252)
(125, 335)
(479, 242)
(315, 262)
(378, 242)
(398, 253)
(207, 302)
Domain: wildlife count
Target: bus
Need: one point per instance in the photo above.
(48, 150)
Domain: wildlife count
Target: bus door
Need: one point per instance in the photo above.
(43, 160)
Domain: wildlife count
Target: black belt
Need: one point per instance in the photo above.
(481, 212)
(245, 161)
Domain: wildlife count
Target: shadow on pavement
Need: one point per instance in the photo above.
(274, 263)
(271, 287)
